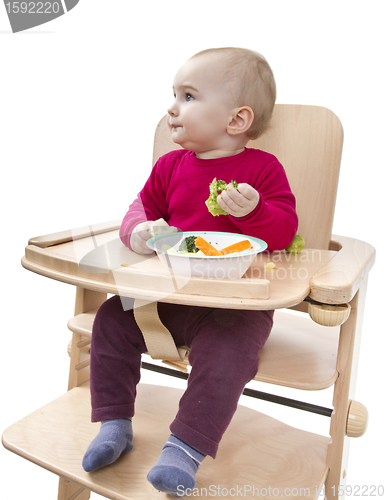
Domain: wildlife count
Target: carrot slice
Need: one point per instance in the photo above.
(236, 247)
(205, 247)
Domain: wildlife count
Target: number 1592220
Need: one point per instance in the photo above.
(33, 7)
(359, 491)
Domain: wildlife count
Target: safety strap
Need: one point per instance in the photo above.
(159, 341)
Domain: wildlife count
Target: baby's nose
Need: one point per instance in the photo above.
(172, 110)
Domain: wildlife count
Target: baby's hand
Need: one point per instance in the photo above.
(139, 237)
(239, 202)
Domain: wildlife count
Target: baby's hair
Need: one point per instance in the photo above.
(251, 81)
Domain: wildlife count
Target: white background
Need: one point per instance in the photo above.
(79, 101)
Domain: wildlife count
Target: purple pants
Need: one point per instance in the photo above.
(225, 346)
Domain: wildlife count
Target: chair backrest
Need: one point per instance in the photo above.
(308, 141)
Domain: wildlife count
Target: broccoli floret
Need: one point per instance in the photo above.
(296, 245)
(215, 188)
(188, 245)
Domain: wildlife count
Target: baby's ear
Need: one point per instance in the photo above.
(240, 121)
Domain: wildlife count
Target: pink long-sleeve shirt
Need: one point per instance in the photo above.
(178, 187)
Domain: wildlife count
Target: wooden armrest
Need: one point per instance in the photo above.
(340, 279)
(74, 234)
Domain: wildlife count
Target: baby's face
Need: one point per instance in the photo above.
(201, 110)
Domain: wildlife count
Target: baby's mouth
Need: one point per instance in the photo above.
(174, 126)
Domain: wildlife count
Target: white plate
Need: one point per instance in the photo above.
(225, 266)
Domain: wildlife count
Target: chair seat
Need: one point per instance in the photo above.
(279, 456)
(306, 360)
(299, 353)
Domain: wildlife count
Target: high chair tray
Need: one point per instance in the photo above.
(96, 259)
(282, 461)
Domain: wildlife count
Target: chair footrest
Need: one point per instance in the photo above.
(279, 457)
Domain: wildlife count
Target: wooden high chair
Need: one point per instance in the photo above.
(258, 456)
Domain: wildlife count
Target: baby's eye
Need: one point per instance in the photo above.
(189, 97)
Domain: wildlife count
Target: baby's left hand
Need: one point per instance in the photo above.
(239, 202)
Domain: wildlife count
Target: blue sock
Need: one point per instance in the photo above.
(114, 438)
(174, 473)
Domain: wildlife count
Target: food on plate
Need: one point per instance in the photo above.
(240, 246)
(296, 245)
(215, 188)
(188, 245)
(160, 226)
(197, 245)
(206, 248)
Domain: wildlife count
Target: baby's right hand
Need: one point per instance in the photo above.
(139, 237)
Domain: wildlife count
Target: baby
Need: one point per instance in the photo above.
(222, 99)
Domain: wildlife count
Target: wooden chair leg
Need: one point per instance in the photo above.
(86, 300)
(71, 491)
(337, 453)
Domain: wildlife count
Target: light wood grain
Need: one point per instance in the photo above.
(330, 277)
(344, 390)
(279, 457)
(339, 280)
(100, 268)
(357, 419)
(304, 361)
(256, 451)
(73, 234)
(72, 491)
(86, 300)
